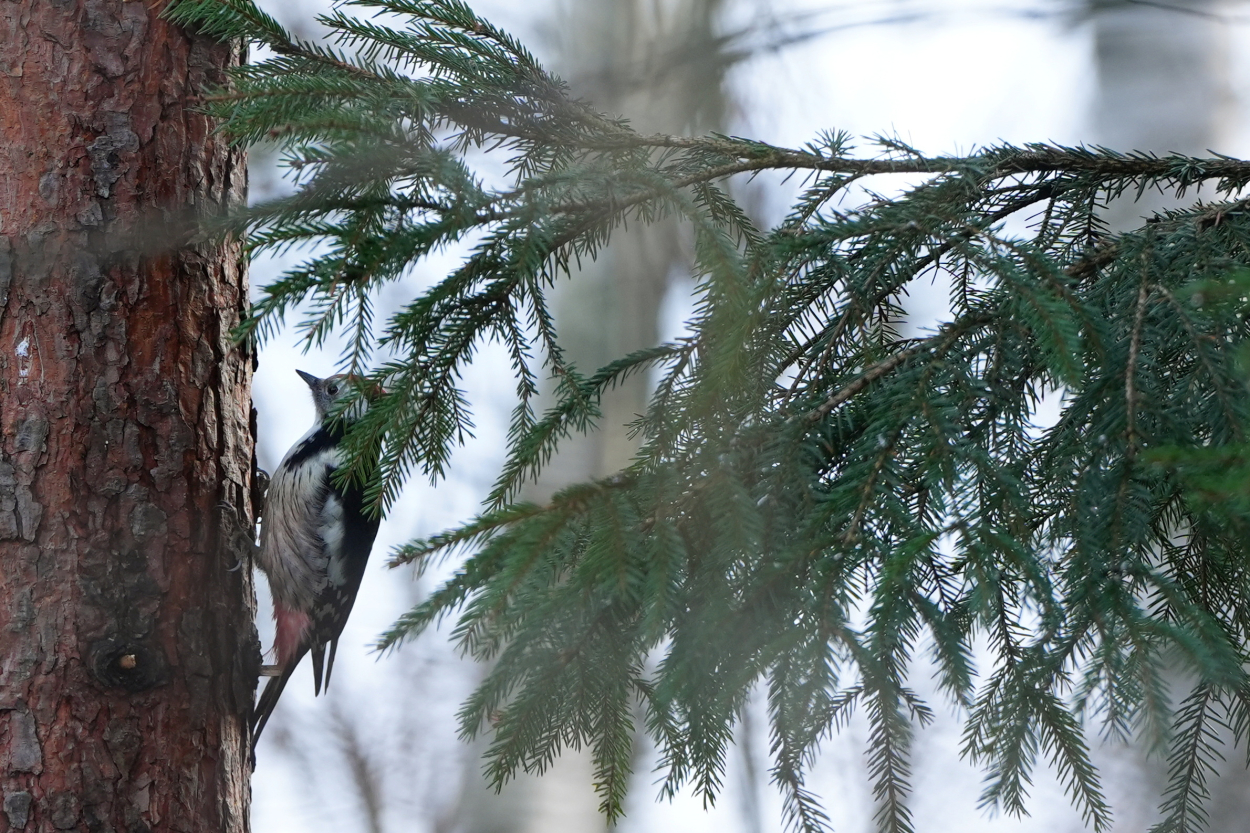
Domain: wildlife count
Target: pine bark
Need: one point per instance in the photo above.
(127, 650)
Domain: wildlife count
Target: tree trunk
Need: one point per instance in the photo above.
(1162, 86)
(127, 650)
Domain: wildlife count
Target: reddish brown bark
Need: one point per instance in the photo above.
(127, 653)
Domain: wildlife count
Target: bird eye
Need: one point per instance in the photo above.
(332, 389)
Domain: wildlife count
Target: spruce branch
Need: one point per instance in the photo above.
(814, 494)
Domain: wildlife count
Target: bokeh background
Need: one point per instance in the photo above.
(380, 752)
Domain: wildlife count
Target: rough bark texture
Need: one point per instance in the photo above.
(127, 651)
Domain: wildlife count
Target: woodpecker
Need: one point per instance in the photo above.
(314, 543)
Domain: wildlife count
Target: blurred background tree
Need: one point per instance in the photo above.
(1163, 85)
(661, 65)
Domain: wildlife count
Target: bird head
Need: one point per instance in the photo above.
(333, 389)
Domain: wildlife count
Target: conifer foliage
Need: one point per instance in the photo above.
(818, 501)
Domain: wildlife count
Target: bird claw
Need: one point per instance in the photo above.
(260, 490)
(271, 670)
(237, 538)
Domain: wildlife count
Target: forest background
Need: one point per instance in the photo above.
(381, 753)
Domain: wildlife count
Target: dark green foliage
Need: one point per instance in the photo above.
(816, 500)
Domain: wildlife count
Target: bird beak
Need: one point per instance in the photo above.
(308, 377)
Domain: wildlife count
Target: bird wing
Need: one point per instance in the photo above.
(348, 535)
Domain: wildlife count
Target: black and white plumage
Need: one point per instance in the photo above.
(314, 545)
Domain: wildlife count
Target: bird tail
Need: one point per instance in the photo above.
(269, 699)
(323, 666)
(290, 645)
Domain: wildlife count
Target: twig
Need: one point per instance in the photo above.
(886, 365)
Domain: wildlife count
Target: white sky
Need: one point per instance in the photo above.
(969, 76)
